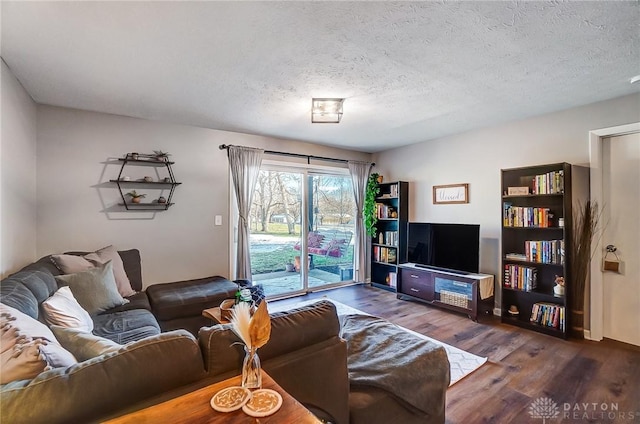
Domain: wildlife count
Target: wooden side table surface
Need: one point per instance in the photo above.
(195, 407)
(215, 315)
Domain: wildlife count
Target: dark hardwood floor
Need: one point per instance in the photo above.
(599, 382)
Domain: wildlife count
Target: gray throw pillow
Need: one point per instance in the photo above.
(95, 289)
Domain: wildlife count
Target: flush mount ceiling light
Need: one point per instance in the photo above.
(635, 79)
(326, 111)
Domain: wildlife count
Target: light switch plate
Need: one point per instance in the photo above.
(218, 220)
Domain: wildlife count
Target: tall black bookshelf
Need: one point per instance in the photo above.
(389, 245)
(537, 218)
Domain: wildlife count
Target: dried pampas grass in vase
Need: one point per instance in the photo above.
(254, 331)
(586, 227)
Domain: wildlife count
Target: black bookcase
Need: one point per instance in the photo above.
(537, 217)
(389, 245)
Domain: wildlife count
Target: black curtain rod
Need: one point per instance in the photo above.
(297, 155)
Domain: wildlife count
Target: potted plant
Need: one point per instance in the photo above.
(369, 209)
(161, 156)
(135, 196)
(289, 266)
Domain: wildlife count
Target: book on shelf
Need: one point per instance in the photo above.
(519, 216)
(549, 183)
(392, 279)
(549, 315)
(520, 277)
(515, 256)
(393, 190)
(545, 251)
(384, 211)
(391, 255)
(384, 254)
(388, 237)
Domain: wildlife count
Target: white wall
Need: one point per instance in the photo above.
(76, 159)
(478, 156)
(17, 175)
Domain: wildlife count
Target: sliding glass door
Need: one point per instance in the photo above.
(275, 231)
(330, 229)
(301, 230)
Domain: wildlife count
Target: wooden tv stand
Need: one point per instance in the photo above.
(458, 292)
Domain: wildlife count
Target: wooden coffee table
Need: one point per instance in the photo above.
(194, 407)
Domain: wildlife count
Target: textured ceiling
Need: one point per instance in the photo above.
(410, 71)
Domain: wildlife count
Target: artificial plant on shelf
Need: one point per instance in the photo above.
(369, 216)
(135, 196)
(585, 228)
(160, 155)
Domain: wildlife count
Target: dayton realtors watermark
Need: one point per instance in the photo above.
(547, 409)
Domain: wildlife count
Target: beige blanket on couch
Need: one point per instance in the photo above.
(384, 356)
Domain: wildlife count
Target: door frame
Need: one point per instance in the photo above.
(596, 293)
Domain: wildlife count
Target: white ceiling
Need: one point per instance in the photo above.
(410, 71)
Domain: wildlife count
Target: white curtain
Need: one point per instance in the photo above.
(359, 175)
(245, 167)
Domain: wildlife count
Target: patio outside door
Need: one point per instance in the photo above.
(331, 228)
(275, 231)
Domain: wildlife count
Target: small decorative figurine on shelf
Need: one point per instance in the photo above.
(558, 289)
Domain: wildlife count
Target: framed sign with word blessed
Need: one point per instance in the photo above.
(450, 193)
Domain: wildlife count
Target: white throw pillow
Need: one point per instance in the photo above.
(84, 346)
(56, 355)
(64, 310)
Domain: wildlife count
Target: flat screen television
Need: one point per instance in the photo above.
(453, 247)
